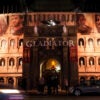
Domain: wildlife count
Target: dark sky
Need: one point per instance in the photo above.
(49, 5)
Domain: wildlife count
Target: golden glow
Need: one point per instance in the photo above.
(53, 63)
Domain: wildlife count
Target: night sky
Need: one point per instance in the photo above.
(48, 5)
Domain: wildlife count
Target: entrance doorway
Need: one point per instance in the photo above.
(48, 65)
(50, 69)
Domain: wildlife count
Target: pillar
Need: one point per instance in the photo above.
(5, 80)
(15, 81)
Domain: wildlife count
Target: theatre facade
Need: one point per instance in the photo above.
(33, 44)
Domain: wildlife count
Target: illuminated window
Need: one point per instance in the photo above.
(3, 43)
(20, 61)
(91, 61)
(21, 42)
(98, 61)
(11, 62)
(81, 42)
(98, 42)
(2, 62)
(12, 42)
(82, 80)
(90, 42)
(1, 80)
(81, 61)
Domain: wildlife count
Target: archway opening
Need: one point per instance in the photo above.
(50, 70)
(49, 65)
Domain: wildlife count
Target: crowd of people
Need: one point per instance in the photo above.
(51, 82)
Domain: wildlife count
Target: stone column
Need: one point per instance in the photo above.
(15, 63)
(15, 81)
(65, 66)
(7, 64)
(5, 80)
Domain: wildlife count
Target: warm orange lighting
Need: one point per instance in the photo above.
(53, 63)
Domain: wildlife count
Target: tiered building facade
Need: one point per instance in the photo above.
(89, 50)
(33, 43)
(11, 52)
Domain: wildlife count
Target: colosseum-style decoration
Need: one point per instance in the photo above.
(11, 48)
(29, 40)
(88, 37)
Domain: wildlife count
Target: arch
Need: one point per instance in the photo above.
(12, 42)
(98, 42)
(2, 62)
(48, 65)
(81, 42)
(91, 61)
(81, 61)
(1, 80)
(90, 42)
(10, 80)
(19, 82)
(20, 62)
(82, 80)
(3, 43)
(21, 42)
(92, 80)
(52, 63)
(99, 61)
(11, 62)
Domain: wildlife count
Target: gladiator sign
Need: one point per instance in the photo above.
(73, 54)
(51, 43)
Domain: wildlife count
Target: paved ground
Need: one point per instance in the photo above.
(35, 92)
(62, 98)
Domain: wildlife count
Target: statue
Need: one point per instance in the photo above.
(35, 29)
(65, 29)
(81, 62)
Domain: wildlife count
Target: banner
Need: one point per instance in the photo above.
(26, 55)
(73, 54)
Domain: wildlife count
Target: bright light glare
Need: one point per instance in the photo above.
(58, 68)
(51, 23)
(53, 63)
(9, 91)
